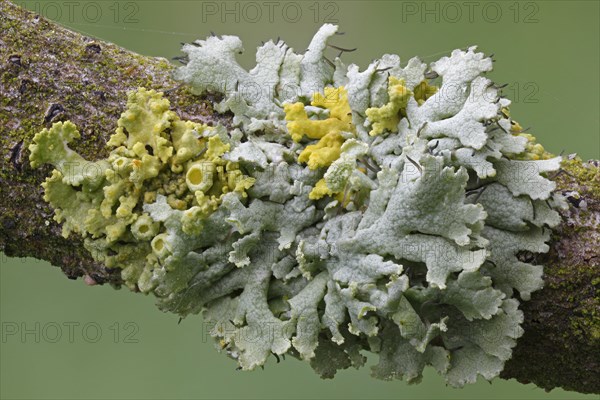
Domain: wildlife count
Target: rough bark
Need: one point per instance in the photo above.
(48, 74)
(561, 344)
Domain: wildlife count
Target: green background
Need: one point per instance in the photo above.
(548, 53)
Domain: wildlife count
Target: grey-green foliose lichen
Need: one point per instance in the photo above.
(346, 212)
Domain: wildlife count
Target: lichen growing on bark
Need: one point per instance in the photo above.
(416, 262)
(34, 46)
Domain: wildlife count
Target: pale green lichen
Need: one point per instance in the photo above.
(387, 220)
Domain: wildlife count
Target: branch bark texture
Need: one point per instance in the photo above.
(50, 74)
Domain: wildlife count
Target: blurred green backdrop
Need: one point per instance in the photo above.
(61, 339)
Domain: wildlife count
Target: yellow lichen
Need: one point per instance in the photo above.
(324, 152)
(153, 152)
(423, 91)
(320, 190)
(533, 149)
(216, 148)
(145, 121)
(386, 117)
(328, 130)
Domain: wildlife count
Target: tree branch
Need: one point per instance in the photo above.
(561, 344)
(49, 74)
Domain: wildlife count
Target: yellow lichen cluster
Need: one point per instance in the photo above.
(334, 130)
(533, 149)
(152, 140)
(320, 190)
(329, 131)
(154, 153)
(386, 117)
(423, 91)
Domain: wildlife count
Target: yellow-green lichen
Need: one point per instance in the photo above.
(320, 190)
(386, 117)
(51, 147)
(329, 131)
(154, 153)
(423, 91)
(533, 150)
(343, 179)
(324, 152)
